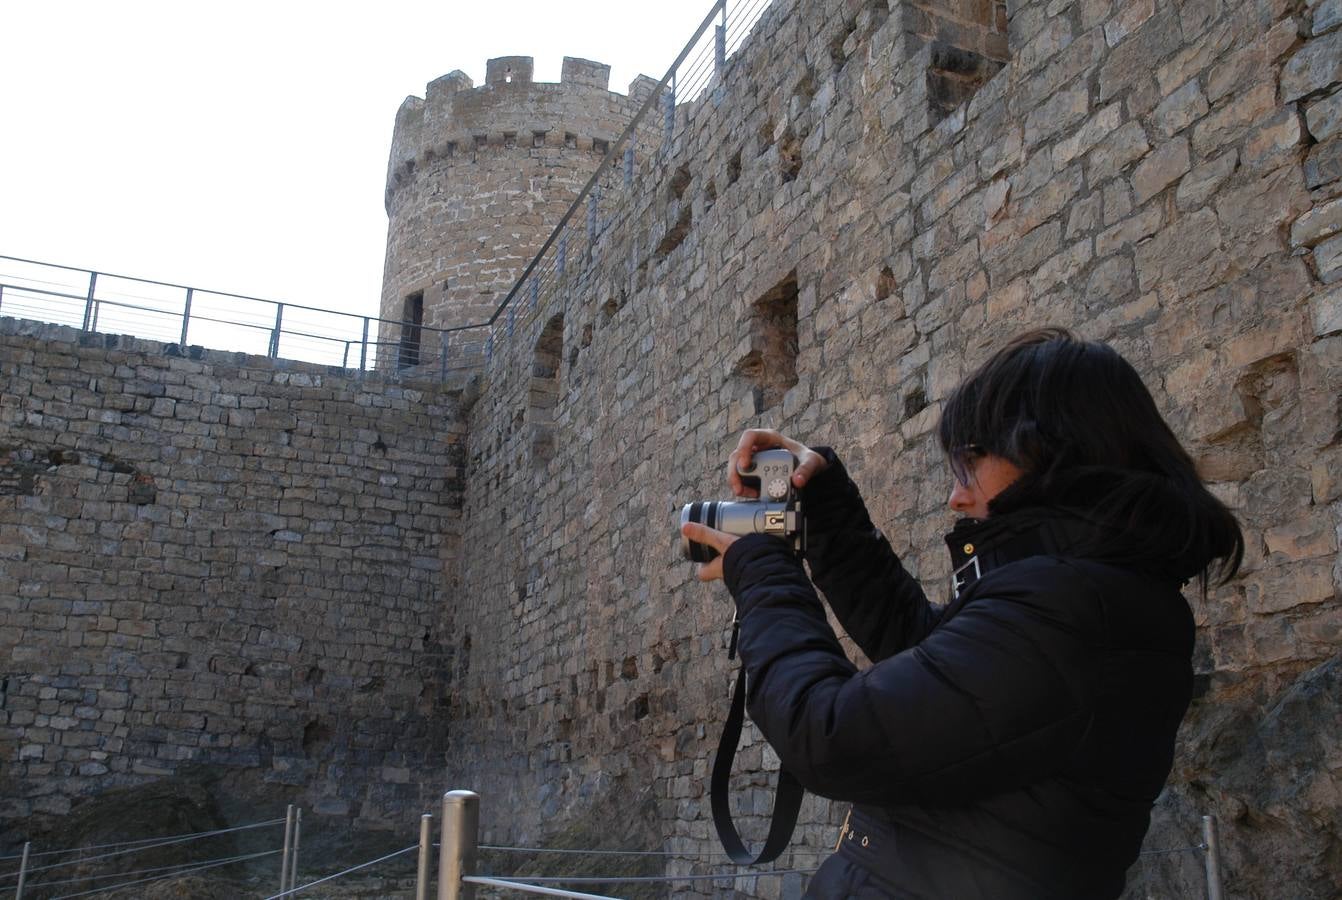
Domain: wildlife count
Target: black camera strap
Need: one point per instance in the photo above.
(787, 800)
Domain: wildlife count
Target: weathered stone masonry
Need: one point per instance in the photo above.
(880, 195)
(1159, 175)
(211, 560)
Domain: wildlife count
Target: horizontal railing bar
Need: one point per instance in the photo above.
(194, 317)
(183, 287)
(533, 888)
(644, 879)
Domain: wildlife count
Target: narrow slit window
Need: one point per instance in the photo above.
(412, 326)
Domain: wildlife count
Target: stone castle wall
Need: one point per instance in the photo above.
(479, 176)
(1162, 176)
(221, 562)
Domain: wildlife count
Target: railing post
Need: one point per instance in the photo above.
(363, 348)
(293, 854)
(1212, 847)
(425, 851)
(592, 220)
(2, 296)
(186, 316)
(456, 856)
(88, 306)
(23, 871)
(535, 292)
(669, 116)
(563, 253)
(284, 854)
(275, 335)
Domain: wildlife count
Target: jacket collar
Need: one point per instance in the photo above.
(979, 546)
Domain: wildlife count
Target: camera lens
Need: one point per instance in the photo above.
(704, 513)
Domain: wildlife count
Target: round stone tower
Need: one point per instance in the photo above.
(478, 178)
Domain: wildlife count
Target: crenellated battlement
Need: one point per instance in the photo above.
(457, 119)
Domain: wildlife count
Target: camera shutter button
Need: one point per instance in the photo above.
(777, 488)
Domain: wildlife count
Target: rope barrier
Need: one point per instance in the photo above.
(115, 887)
(303, 887)
(178, 839)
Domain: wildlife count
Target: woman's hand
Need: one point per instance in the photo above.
(718, 540)
(809, 463)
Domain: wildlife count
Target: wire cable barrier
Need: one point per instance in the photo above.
(372, 862)
(165, 872)
(135, 847)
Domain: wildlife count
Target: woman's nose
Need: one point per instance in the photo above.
(961, 498)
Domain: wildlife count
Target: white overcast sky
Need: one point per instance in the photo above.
(242, 146)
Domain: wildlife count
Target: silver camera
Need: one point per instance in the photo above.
(776, 512)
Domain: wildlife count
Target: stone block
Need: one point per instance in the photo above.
(1161, 168)
(1328, 260)
(1137, 57)
(1130, 17)
(1116, 152)
(1315, 66)
(1323, 117)
(1175, 250)
(1096, 128)
(1326, 312)
(1180, 109)
(1198, 186)
(1234, 119)
(1319, 223)
(1325, 17)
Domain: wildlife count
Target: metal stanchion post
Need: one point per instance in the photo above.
(284, 854)
(456, 856)
(425, 850)
(186, 316)
(275, 334)
(1213, 850)
(23, 871)
(293, 854)
(88, 305)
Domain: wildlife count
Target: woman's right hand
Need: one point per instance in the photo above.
(809, 463)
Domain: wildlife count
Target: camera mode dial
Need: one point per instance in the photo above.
(777, 488)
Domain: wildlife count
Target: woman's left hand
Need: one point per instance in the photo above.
(718, 540)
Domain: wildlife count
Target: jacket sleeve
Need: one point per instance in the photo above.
(994, 698)
(878, 603)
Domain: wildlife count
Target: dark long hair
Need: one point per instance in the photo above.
(1076, 418)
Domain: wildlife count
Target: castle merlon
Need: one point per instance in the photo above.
(510, 110)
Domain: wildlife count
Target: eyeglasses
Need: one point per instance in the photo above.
(962, 460)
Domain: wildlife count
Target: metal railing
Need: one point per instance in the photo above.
(79, 857)
(184, 316)
(181, 315)
(692, 86)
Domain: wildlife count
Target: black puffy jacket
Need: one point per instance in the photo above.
(1008, 745)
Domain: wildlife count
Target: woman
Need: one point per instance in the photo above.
(1010, 744)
